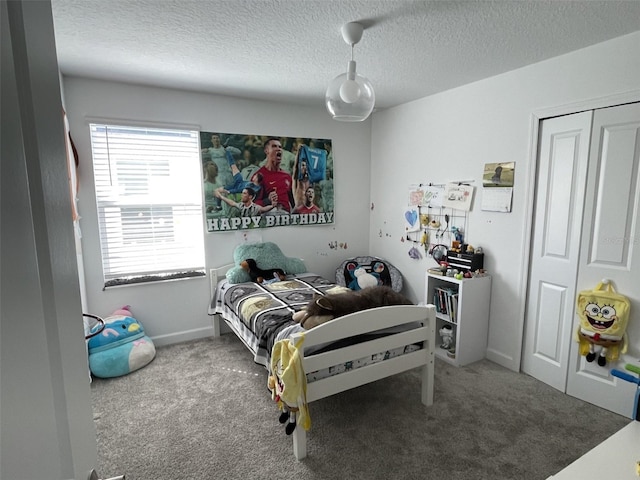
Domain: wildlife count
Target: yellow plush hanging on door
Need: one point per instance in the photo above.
(604, 315)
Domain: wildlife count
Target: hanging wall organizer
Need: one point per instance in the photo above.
(434, 226)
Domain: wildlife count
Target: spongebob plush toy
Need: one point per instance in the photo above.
(288, 384)
(604, 315)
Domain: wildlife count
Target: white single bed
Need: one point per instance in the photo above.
(404, 325)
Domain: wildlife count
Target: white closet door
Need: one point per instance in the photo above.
(562, 169)
(610, 246)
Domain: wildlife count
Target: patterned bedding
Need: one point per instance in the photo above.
(261, 315)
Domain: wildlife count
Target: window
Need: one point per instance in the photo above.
(149, 203)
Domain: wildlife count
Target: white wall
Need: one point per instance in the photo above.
(177, 310)
(47, 430)
(452, 135)
(436, 139)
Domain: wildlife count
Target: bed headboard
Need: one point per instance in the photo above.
(217, 274)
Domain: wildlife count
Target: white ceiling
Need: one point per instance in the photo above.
(288, 50)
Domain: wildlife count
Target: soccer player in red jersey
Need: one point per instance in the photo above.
(276, 183)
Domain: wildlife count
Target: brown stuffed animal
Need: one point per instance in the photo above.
(323, 308)
(258, 275)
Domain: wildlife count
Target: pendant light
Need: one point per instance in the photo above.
(350, 96)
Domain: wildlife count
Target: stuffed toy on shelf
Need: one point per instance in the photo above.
(448, 341)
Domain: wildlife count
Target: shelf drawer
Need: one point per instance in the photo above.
(466, 261)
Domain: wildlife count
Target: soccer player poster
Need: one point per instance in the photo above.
(257, 181)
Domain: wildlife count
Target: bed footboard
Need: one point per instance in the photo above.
(422, 332)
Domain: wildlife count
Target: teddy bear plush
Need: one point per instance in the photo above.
(259, 275)
(323, 308)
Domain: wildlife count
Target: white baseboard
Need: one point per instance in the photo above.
(178, 337)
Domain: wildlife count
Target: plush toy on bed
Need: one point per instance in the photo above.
(121, 347)
(362, 279)
(259, 275)
(267, 255)
(323, 308)
(366, 271)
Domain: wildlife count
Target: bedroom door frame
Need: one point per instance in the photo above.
(537, 116)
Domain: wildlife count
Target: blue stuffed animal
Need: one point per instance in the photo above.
(361, 277)
(121, 347)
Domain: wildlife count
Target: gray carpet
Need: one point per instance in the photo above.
(201, 410)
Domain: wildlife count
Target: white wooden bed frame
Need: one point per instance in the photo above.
(362, 322)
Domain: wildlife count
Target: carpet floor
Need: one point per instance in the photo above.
(201, 410)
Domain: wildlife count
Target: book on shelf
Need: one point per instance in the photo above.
(454, 308)
(446, 301)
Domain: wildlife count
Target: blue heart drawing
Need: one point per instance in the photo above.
(411, 216)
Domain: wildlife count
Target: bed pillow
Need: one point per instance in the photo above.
(356, 272)
(267, 255)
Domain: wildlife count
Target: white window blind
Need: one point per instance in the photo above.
(149, 200)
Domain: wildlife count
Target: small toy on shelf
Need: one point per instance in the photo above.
(457, 234)
(446, 332)
(455, 246)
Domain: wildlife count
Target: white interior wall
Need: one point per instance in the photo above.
(444, 137)
(47, 429)
(451, 136)
(177, 310)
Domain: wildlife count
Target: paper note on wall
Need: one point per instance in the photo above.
(497, 199)
(458, 196)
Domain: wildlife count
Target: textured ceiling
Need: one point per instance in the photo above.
(288, 50)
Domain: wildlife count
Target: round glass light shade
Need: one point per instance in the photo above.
(350, 100)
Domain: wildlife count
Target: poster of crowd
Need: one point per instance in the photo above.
(256, 181)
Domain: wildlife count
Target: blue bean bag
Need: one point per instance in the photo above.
(121, 347)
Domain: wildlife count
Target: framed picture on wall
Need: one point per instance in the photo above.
(498, 174)
(259, 181)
